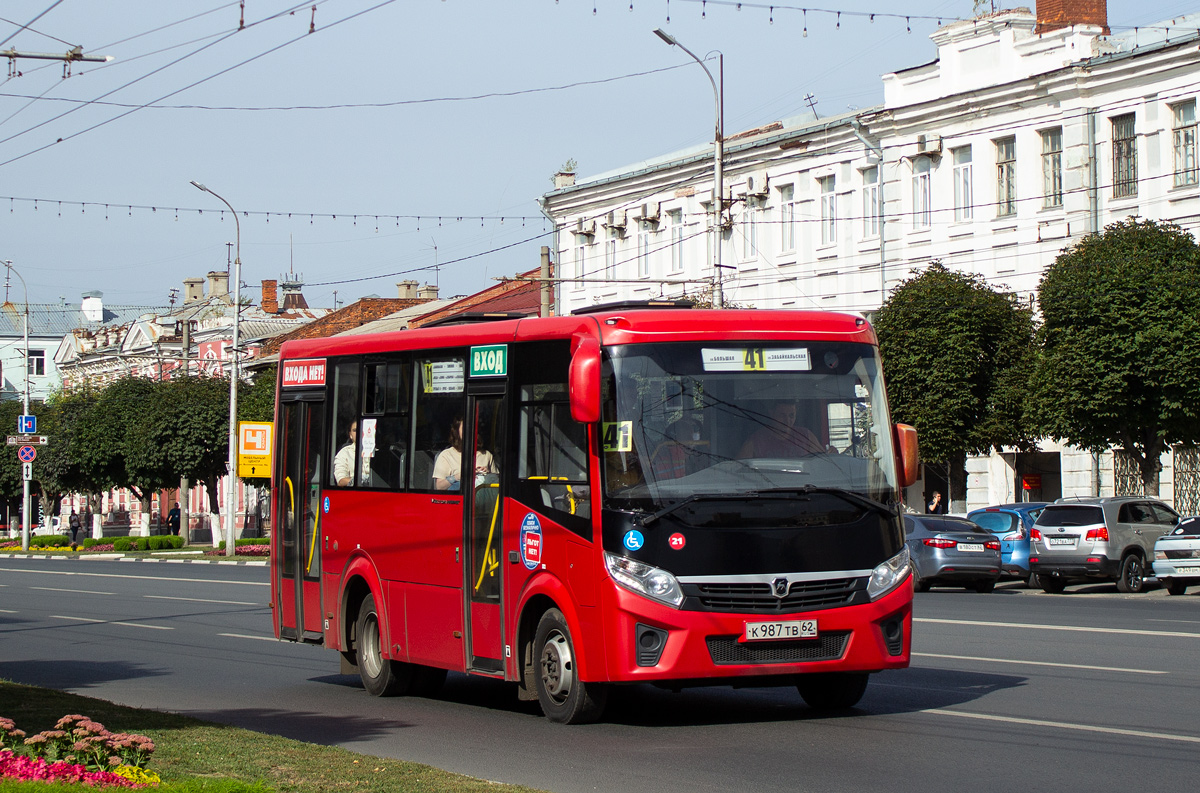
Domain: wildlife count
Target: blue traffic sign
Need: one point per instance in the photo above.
(26, 424)
(27, 454)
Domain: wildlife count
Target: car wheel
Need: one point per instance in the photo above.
(1052, 584)
(1176, 587)
(984, 587)
(564, 698)
(1131, 579)
(832, 690)
(381, 677)
(1034, 581)
(919, 584)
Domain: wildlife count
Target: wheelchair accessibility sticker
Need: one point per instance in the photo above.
(634, 540)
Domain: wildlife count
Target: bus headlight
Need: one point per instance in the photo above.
(653, 582)
(886, 576)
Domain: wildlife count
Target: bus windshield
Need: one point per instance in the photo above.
(715, 419)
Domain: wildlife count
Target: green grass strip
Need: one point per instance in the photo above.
(194, 756)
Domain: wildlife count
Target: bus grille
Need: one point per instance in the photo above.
(728, 650)
(757, 598)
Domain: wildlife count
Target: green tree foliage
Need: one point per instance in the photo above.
(1120, 364)
(957, 357)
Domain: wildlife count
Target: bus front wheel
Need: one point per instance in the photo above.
(832, 690)
(564, 698)
(380, 676)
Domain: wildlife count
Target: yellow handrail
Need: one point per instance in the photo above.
(488, 545)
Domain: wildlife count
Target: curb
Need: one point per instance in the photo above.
(107, 557)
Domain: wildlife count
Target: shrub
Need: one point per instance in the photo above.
(89, 542)
(123, 544)
(174, 541)
(247, 541)
(154, 543)
(49, 541)
(143, 543)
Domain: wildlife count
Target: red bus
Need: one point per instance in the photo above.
(632, 494)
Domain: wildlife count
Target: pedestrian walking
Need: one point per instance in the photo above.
(173, 519)
(73, 525)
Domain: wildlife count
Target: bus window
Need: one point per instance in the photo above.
(440, 407)
(345, 424)
(553, 455)
(385, 425)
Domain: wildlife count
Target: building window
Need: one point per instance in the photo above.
(581, 246)
(828, 210)
(787, 218)
(610, 257)
(37, 363)
(750, 229)
(1186, 172)
(676, 216)
(964, 197)
(1006, 177)
(643, 249)
(1052, 179)
(1124, 156)
(922, 197)
(870, 202)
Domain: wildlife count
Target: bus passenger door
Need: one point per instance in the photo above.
(302, 434)
(484, 520)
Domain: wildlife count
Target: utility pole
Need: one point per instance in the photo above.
(185, 521)
(544, 287)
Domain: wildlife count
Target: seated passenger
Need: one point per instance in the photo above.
(779, 437)
(448, 465)
(343, 461)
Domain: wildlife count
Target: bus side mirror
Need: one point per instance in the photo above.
(906, 450)
(584, 381)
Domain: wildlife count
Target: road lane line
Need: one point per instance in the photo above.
(204, 600)
(76, 591)
(246, 636)
(112, 622)
(136, 577)
(1042, 663)
(1066, 725)
(7, 611)
(1070, 628)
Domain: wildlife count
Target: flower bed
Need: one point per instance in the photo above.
(77, 750)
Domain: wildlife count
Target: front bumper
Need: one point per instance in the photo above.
(706, 646)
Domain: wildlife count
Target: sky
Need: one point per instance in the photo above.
(369, 142)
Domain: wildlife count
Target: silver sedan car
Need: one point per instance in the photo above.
(1177, 557)
(951, 551)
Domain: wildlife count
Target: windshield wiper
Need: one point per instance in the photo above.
(848, 495)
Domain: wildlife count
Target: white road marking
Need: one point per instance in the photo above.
(204, 600)
(1069, 628)
(1042, 663)
(246, 636)
(112, 622)
(7, 611)
(137, 577)
(76, 591)
(1066, 725)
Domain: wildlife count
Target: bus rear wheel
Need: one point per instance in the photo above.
(832, 690)
(380, 677)
(564, 698)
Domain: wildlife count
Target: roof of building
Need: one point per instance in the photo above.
(398, 320)
(58, 320)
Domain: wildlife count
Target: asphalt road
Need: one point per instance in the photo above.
(1092, 690)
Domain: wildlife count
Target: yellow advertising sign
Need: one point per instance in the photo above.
(254, 448)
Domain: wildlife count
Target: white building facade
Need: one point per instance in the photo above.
(1029, 131)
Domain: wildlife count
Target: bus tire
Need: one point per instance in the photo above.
(380, 676)
(565, 699)
(832, 690)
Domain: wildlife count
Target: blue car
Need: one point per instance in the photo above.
(1011, 523)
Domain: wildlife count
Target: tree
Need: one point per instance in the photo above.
(957, 356)
(1120, 365)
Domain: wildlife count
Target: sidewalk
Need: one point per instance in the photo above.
(170, 557)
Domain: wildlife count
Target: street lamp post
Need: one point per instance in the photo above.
(230, 493)
(25, 482)
(718, 209)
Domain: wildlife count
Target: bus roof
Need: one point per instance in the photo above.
(618, 326)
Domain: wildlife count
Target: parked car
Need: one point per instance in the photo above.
(1098, 539)
(1177, 557)
(953, 551)
(1012, 523)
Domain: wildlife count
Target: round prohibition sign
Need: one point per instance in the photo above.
(27, 454)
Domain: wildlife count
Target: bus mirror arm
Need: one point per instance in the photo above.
(905, 436)
(585, 380)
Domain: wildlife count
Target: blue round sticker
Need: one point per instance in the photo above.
(531, 541)
(634, 540)
(326, 504)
